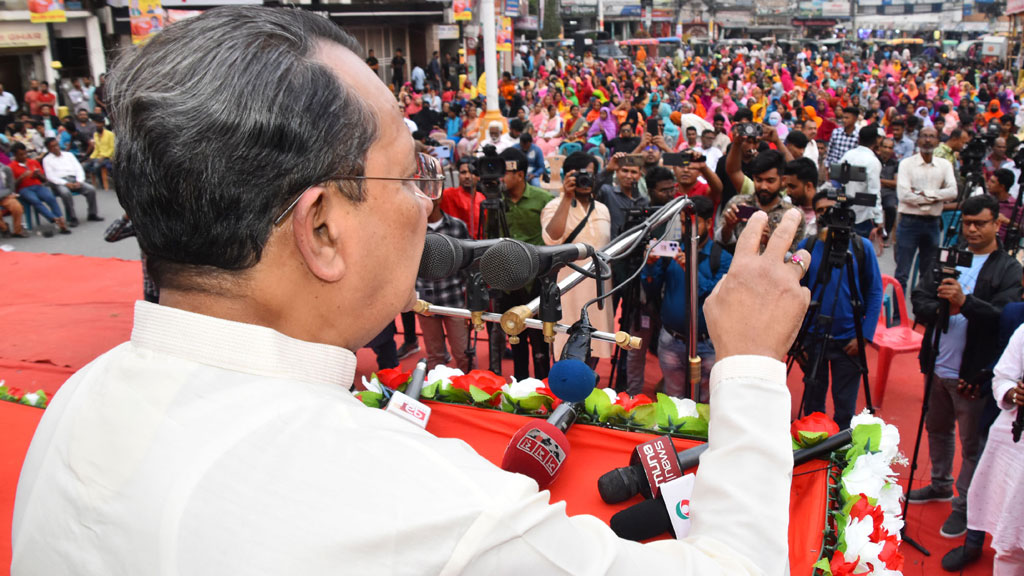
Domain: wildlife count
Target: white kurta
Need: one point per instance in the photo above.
(597, 233)
(205, 446)
(993, 503)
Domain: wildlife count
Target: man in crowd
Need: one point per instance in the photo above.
(100, 160)
(8, 106)
(449, 291)
(621, 194)
(797, 143)
(869, 219)
(67, 177)
(923, 184)
(997, 159)
(238, 374)
(887, 179)
(839, 354)
(999, 184)
(763, 192)
(712, 153)
(32, 97)
(463, 201)
(843, 138)
(78, 98)
(903, 146)
(523, 206)
(810, 130)
(801, 184)
(625, 143)
(9, 201)
(418, 78)
(537, 168)
(29, 177)
(398, 70)
(372, 61)
(44, 98)
(669, 274)
(975, 300)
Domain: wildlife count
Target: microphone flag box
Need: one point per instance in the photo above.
(676, 495)
(405, 407)
(659, 461)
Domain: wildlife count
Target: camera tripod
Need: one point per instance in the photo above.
(836, 256)
(632, 311)
(478, 297)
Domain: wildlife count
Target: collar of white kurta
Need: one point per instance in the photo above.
(239, 347)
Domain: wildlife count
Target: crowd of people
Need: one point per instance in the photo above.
(934, 143)
(45, 157)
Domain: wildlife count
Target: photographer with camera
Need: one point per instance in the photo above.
(838, 351)
(523, 204)
(576, 217)
(669, 274)
(972, 287)
(619, 189)
(763, 192)
(923, 184)
(463, 201)
(869, 218)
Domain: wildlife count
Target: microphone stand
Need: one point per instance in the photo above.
(478, 300)
(621, 339)
(692, 251)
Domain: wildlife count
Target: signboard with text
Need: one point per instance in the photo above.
(22, 35)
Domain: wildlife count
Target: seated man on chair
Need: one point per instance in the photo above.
(99, 161)
(9, 201)
(67, 177)
(28, 177)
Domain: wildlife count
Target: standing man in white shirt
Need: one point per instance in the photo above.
(869, 218)
(8, 106)
(923, 183)
(65, 174)
(224, 438)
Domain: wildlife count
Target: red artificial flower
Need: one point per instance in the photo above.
(891, 554)
(813, 423)
(485, 380)
(840, 567)
(629, 402)
(555, 400)
(393, 377)
(861, 509)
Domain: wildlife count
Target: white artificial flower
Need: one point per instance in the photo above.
(858, 535)
(685, 408)
(444, 374)
(523, 388)
(889, 502)
(372, 385)
(31, 398)
(868, 563)
(611, 394)
(868, 475)
(865, 417)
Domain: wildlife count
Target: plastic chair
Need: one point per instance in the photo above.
(568, 148)
(555, 162)
(899, 339)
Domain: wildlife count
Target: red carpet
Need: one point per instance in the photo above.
(60, 312)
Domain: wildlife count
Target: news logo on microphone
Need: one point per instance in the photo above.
(543, 448)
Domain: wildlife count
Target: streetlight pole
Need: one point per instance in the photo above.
(489, 24)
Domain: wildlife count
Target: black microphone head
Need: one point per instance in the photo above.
(620, 484)
(441, 257)
(642, 521)
(509, 265)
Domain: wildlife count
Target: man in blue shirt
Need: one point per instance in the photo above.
(670, 274)
(975, 300)
(841, 354)
(536, 168)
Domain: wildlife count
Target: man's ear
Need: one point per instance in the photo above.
(317, 231)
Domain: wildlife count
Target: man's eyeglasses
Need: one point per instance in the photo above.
(429, 181)
(977, 223)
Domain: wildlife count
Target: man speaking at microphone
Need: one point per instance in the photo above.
(223, 437)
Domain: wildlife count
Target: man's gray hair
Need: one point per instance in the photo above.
(221, 121)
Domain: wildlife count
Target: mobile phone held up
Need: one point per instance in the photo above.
(744, 212)
(652, 127)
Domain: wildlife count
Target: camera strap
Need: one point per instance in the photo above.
(579, 227)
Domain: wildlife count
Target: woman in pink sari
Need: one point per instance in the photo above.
(549, 133)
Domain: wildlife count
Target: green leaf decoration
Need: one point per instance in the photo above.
(693, 427)
(479, 396)
(666, 412)
(644, 416)
(825, 566)
(609, 412)
(455, 395)
(430, 390)
(371, 398)
(597, 402)
(533, 402)
(705, 412)
(865, 439)
(808, 439)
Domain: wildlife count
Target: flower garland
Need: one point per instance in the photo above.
(38, 399)
(603, 407)
(868, 523)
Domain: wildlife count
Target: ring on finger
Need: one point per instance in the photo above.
(798, 259)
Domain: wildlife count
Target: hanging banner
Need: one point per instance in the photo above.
(512, 8)
(46, 11)
(503, 40)
(463, 9)
(147, 18)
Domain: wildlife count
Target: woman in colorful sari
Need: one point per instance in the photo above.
(470, 133)
(549, 132)
(575, 126)
(671, 130)
(602, 130)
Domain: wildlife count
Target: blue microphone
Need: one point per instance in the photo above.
(571, 380)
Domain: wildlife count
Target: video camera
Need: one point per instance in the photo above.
(972, 156)
(845, 173)
(948, 260)
(491, 169)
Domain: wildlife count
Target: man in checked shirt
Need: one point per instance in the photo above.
(446, 292)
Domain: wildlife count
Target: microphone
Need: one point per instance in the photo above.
(511, 264)
(571, 380)
(623, 483)
(539, 449)
(444, 256)
(407, 405)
